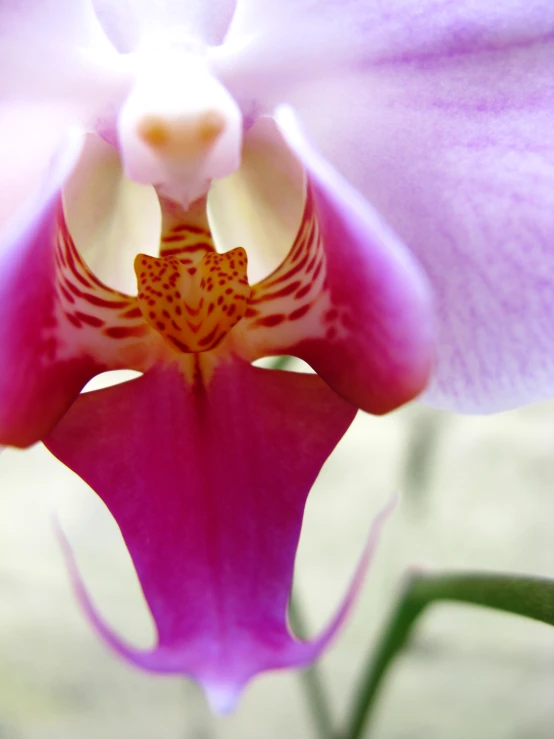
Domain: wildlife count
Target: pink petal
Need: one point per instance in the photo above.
(58, 20)
(223, 698)
(275, 50)
(34, 388)
(132, 23)
(443, 120)
(57, 52)
(368, 331)
(60, 324)
(273, 47)
(208, 484)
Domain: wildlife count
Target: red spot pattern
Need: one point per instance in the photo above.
(193, 296)
(213, 301)
(293, 289)
(87, 303)
(125, 332)
(274, 319)
(189, 243)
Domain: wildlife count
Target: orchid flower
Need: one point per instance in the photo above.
(416, 134)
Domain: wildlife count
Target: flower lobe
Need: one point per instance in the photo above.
(193, 308)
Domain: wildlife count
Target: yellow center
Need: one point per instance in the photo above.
(193, 308)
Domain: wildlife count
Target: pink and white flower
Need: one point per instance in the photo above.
(394, 163)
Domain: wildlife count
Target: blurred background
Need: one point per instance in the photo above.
(477, 493)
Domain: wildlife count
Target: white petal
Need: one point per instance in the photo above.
(260, 206)
(57, 52)
(29, 137)
(110, 218)
(131, 24)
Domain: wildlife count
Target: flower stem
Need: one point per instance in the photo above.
(281, 363)
(311, 679)
(526, 596)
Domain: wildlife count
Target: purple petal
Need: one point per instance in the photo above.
(35, 388)
(273, 50)
(444, 122)
(208, 484)
(131, 24)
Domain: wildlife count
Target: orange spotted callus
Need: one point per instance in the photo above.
(193, 308)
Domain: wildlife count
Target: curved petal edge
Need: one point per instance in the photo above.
(209, 494)
(382, 356)
(291, 654)
(36, 385)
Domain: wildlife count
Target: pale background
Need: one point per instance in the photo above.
(483, 499)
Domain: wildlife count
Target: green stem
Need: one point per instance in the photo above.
(311, 679)
(281, 363)
(532, 597)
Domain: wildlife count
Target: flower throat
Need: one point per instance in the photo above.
(193, 307)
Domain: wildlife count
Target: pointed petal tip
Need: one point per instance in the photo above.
(146, 659)
(223, 695)
(221, 698)
(315, 648)
(223, 667)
